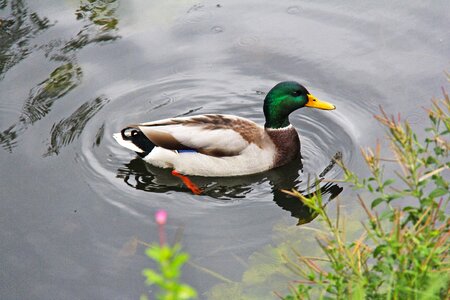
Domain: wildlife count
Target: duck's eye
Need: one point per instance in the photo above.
(296, 93)
(134, 133)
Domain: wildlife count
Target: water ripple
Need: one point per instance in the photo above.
(247, 41)
(196, 14)
(293, 10)
(217, 29)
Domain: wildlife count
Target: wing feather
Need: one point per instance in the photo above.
(216, 135)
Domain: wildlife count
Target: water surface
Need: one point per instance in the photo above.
(72, 201)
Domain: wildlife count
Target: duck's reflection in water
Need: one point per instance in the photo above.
(143, 176)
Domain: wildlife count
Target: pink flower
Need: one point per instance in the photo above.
(161, 217)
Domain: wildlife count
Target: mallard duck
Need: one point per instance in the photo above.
(224, 145)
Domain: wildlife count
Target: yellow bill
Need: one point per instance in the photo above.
(316, 103)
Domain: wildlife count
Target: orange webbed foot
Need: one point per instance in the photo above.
(190, 185)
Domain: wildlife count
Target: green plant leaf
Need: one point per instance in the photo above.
(438, 151)
(439, 181)
(388, 182)
(391, 197)
(154, 252)
(376, 202)
(179, 260)
(152, 277)
(186, 292)
(379, 250)
(438, 192)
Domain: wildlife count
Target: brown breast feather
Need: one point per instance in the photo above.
(287, 144)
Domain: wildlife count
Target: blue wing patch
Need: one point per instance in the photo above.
(186, 151)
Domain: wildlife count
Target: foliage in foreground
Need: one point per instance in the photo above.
(170, 260)
(403, 251)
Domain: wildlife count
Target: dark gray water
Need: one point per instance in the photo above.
(72, 201)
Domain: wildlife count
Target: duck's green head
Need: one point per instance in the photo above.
(286, 97)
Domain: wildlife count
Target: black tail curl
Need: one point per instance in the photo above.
(139, 139)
